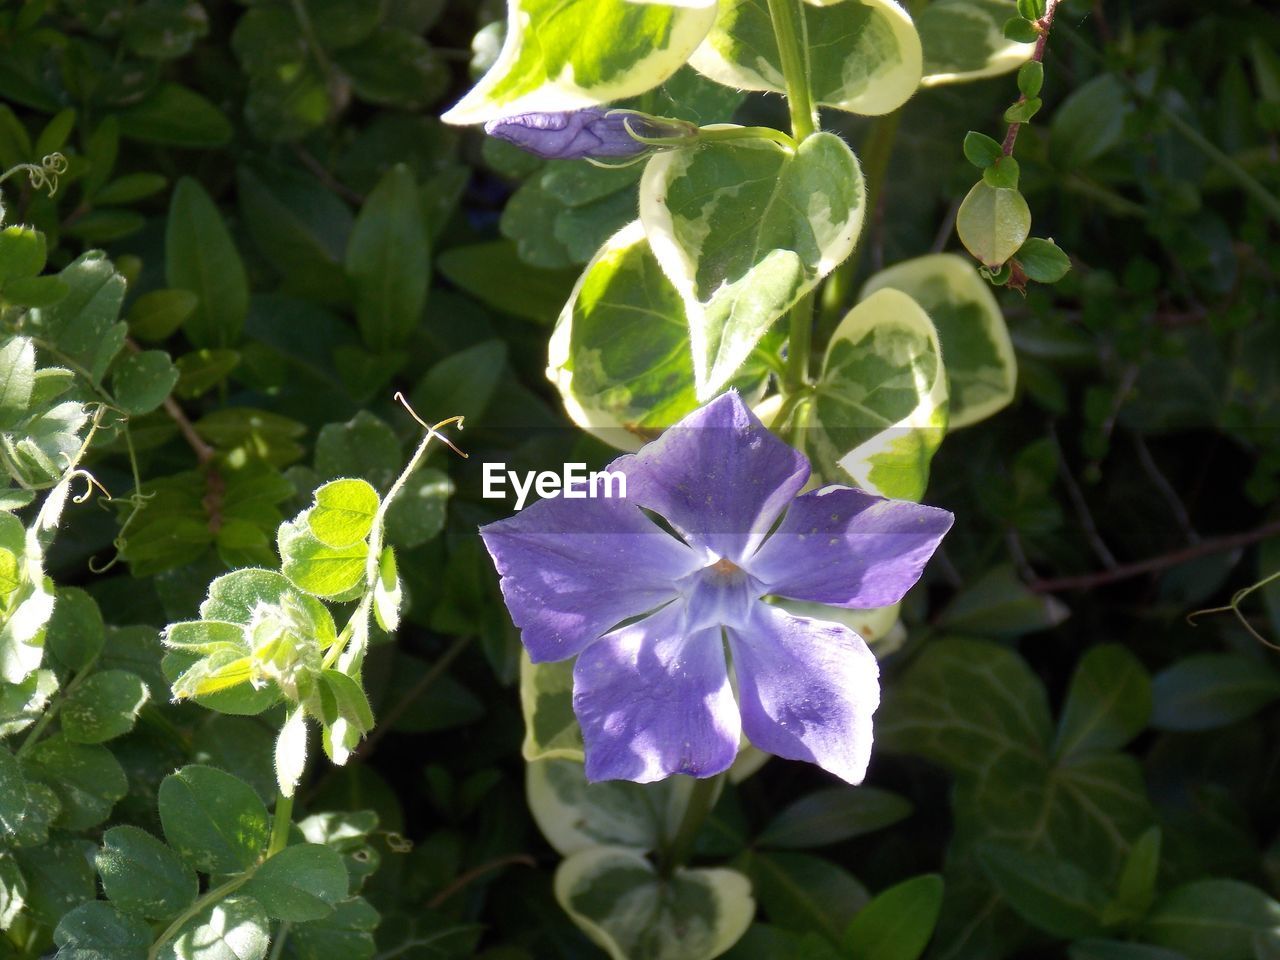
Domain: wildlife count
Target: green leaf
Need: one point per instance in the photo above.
(201, 257)
(143, 876)
(86, 778)
(364, 446)
(494, 274)
(17, 379)
(103, 707)
(1212, 920)
(803, 210)
(215, 822)
(13, 891)
(417, 514)
(13, 792)
(1020, 30)
(140, 382)
(1031, 9)
(302, 882)
(177, 116)
(998, 604)
(619, 379)
(1043, 261)
(546, 698)
(1136, 891)
(84, 325)
(898, 923)
(98, 931)
(981, 367)
(347, 934)
(22, 253)
(1003, 173)
(201, 370)
(1108, 704)
(568, 54)
(387, 261)
(1031, 78)
(964, 40)
(1212, 690)
(805, 893)
(59, 877)
(1089, 122)
(880, 406)
(1051, 894)
(1023, 111)
(834, 815)
(981, 150)
(576, 815)
(317, 568)
(863, 55)
(131, 188)
(964, 704)
(157, 315)
(993, 222)
(618, 900)
(234, 928)
(343, 512)
(21, 703)
(395, 67)
(345, 713)
(36, 291)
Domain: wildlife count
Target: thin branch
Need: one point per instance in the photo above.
(328, 179)
(1044, 24)
(204, 452)
(465, 880)
(1164, 561)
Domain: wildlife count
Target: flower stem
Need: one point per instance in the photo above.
(281, 821)
(793, 50)
(702, 799)
(747, 133)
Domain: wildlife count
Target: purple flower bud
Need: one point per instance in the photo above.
(597, 133)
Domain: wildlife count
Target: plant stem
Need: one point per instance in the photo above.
(281, 821)
(1204, 548)
(213, 896)
(793, 50)
(702, 799)
(1044, 24)
(747, 133)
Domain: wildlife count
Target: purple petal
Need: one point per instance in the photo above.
(850, 549)
(807, 690)
(653, 702)
(718, 476)
(574, 569)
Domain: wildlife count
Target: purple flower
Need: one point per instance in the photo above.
(596, 133)
(647, 612)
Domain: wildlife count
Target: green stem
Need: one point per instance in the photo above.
(281, 821)
(875, 169)
(793, 50)
(199, 906)
(798, 344)
(747, 133)
(702, 799)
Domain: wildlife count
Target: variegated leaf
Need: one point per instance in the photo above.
(570, 54)
(964, 40)
(743, 228)
(620, 352)
(981, 365)
(620, 901)
(880, 407)
(864, 55)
